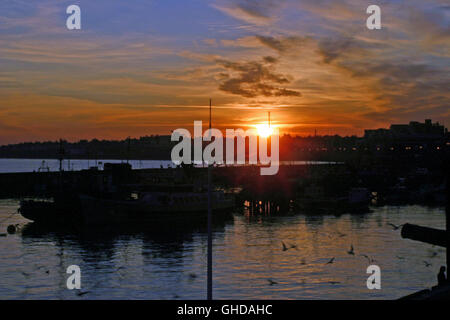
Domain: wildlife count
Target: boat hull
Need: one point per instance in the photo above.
(110, 211)
(49, 212)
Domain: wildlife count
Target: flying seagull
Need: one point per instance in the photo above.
(293, 246)
(394, 227)
(351, 251)
(271, 282)
(82, 293)
(427, 264)
(370, 260)
(284, 246)
(331, 261)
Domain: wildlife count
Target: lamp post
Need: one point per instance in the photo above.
(209, 281)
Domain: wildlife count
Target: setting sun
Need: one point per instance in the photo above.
(264, 130)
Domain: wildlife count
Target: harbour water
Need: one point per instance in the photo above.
(170, 263)
(31, 165)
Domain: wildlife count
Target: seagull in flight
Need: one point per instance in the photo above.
(284, 246)
(369, 259)
(427, 264)
(331, 261)
(192, 275)
(82, 293)
(351, 251)
(394, 227)
(271, 282)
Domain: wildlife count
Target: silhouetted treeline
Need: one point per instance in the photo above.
(320, 148)
(147, 147)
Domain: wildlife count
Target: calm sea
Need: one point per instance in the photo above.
(169, 262)
(30, 165)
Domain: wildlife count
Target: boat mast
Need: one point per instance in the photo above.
(61, 155)
(128, 149)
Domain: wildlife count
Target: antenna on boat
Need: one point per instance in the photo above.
(209, 267)
(128, 150)
(61, 153)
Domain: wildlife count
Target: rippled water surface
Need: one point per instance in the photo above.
(167, 262)
(30, 165)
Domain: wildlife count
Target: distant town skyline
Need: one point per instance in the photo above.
(139, 68)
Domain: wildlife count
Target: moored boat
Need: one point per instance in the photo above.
(150, 207)
(126, 207)
(314, 199)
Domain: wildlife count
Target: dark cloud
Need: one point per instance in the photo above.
(412, 90)
(271, 42)
(270, 59)
(283, 44)
(431, 25)
(404, 89)
(258, 8)
(401, 71)
(9, 84)
(255, 78)
(331, 49)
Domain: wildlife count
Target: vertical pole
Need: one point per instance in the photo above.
(61, 157)
(447, 217)
(209, 295)
(128, 150)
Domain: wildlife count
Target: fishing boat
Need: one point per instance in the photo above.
(150, 207)
(127, 207)
(314, 199)
(60, 209)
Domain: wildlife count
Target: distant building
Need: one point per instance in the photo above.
(376, 133)
(414, 129)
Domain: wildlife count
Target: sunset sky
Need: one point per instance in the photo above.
(141, 67)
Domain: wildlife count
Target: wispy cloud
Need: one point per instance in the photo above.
(258, 12)
(151, 66)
